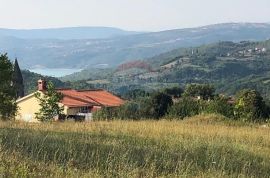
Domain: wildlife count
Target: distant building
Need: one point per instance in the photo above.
(76, 103)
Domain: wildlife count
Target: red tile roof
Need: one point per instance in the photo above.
(103, 97)
(74, 98)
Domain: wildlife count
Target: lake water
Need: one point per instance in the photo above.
(55, 72)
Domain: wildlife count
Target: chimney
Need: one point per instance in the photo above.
(42, 85)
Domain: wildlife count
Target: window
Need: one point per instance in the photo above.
(84, 110)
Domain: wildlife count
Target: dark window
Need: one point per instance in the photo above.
(84, 110)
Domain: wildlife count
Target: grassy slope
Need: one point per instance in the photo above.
(204, 146)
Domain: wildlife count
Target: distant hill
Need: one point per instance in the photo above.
(229, 66)
(30, 82)
(111, 52)
(69, 33)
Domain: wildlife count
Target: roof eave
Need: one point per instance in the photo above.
(26, 97)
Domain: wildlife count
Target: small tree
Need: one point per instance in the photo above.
(250, 105)
(160, 102)
(49, 102)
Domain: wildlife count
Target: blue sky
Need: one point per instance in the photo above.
(146, 15)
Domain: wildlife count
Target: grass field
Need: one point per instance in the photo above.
(203, 146)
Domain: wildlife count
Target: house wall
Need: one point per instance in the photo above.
(27, 109)
(29, 106)
(71, 111)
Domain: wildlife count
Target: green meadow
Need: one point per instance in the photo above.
(201, 146)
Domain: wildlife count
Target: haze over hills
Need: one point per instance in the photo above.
(68, 33)
(110, 52)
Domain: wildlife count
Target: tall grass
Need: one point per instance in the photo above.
(203, 146)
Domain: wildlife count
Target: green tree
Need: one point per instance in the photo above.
(159, 104)
(250, 106)
(205, 91)
(18, 80)
(8, 106)
(175, 92)
(49, 102)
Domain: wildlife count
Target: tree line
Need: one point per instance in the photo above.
(170, 103)
(178, 103)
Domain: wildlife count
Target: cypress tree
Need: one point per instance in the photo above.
(18, 80)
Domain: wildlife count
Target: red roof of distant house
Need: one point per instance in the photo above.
(103, 97)
(74, 98)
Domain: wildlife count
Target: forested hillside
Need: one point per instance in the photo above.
(230, 66)
(30, 82)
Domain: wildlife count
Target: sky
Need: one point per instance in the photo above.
(135, 15)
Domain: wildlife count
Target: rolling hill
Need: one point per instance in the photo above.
(229, 66)
(30, 82)
(110, 52)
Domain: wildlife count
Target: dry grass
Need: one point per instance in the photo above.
(203, 146)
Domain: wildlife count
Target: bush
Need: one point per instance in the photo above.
(106, 113)
(251, 106)
(221, 106)
(186, 107)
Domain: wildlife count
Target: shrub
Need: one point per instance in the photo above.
(106, 113)
(251, 106)
(221, 106)
(186, 107)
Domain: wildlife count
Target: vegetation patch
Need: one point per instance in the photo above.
(200, 146)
